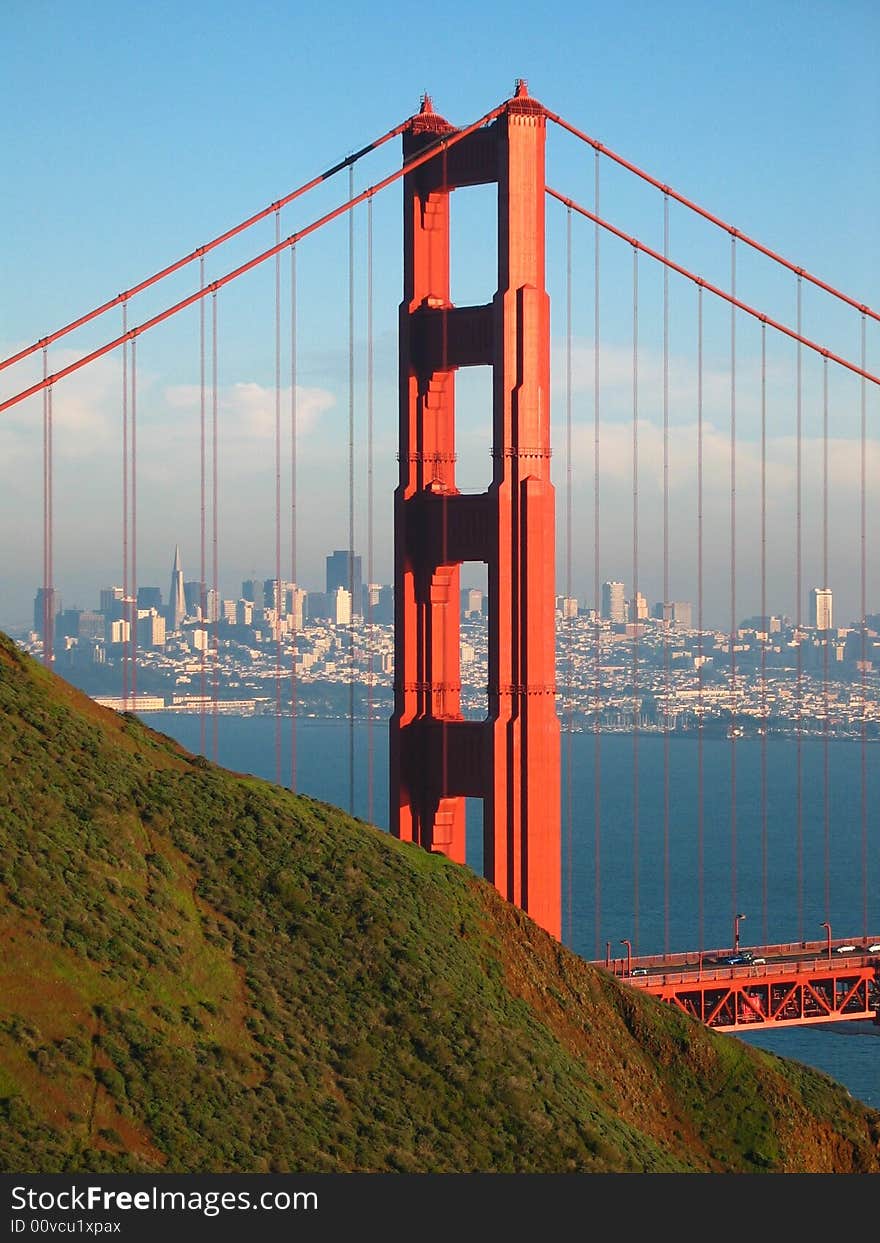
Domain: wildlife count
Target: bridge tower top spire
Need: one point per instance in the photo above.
(427, 121)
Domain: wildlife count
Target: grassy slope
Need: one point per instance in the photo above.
(201, 972)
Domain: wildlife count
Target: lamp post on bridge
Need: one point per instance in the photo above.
(825, 924)
(629, 950)
(736, 923)
(607, 953)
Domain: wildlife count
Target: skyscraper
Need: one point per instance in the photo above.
(340, 604)
(613, 603)
(47, 606)
(638, 608)
(111, 602)
(149, 598)
(342, 566)
(177, 595)
(194, 597)
(820, 608)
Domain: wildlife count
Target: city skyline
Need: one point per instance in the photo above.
(616, 604)
(86, 253)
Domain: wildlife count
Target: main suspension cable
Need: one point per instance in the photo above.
(440, 147)
(794, 335)
(201, 251)
(700, 211)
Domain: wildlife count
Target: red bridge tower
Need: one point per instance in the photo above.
(511, 759)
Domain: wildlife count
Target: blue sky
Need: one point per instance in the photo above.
(132, 133)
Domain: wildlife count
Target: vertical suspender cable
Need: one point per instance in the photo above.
(636, 621)
(48, 604)
(370, 569)
(203, 573)
(733, 625)
(667, 607)
(50, 509)
(568, 620)
(214, 524)
(280, 593)
(126, 612)
(134, 575)
(351, 494)
(293, 566)
(597, 734)
(700, 813)
(444, 686)
(765, 627)
(864, 622)
(826, 639)
(799, 635)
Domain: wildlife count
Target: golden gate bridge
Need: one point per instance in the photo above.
(511, 759)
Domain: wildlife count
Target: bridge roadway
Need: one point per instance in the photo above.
(791, 984)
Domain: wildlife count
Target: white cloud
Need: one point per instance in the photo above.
(247, 410)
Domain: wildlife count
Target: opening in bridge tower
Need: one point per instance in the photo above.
(511, 760)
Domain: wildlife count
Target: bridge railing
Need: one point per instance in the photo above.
(794, 956)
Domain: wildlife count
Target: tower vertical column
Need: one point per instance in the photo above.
(511, 760)
(426, 593)
(522, 845)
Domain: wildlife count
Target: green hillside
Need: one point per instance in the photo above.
(202, 972)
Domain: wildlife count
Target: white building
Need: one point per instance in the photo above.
(613, 602)
(820, 608)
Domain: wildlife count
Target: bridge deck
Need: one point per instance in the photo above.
(792, 984)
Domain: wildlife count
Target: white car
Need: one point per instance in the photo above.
(844, 949)
(874, 949)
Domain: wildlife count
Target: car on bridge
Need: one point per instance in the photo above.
(844, 949)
